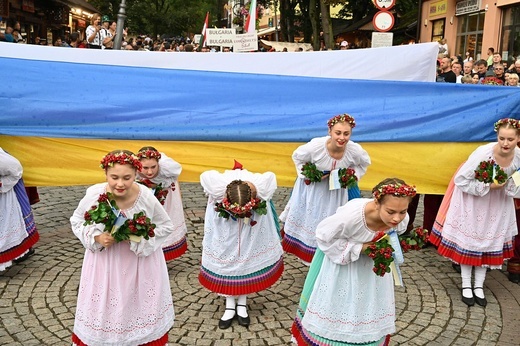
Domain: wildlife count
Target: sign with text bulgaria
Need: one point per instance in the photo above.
(220, 37)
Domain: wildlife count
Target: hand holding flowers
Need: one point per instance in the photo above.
(416, 240)
(489, 172)
(106, 212)
(311, 173)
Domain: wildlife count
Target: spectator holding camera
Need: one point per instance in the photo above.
(93, 33)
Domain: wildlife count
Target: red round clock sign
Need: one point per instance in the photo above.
(383, 21)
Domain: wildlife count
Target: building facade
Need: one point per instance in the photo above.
(473, 26)
(47, 19)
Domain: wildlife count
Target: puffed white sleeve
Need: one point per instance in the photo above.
(302, 155)
(163, 226)
(511, 189)
(86, 233)
(465, 177)
(333, 238)
(169, 167)
(214, 184)
(265, 184)
(360, 158)
(10, 171)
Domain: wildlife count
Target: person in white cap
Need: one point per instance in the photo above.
(343, 45)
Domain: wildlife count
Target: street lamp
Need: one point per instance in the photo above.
(121, 16)
(276, 20)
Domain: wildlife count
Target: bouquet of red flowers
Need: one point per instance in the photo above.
(381, 253)
(226, 209)
(490, 80)
(140, 226)
(311, 173)
(347, 177)
(416, 240)
(159, 192)
(105, 212)
(489, 171)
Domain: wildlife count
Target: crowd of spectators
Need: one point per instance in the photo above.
(494, 71)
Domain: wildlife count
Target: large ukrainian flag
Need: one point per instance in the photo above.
(63, 109)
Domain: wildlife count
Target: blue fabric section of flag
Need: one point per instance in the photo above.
(117, 102)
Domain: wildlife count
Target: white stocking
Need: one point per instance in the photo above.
(465, 273)
(480, 276)
(241, 306)
(230, 308)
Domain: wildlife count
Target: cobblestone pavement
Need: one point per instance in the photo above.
(38, 296)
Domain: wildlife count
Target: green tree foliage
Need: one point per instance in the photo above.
(170, 17)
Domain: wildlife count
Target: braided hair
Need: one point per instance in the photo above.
(239, 192)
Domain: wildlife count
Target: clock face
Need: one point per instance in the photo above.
(383, 21)
(384, 4)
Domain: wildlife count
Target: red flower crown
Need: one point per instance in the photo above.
(398, 190)
(121, 158)
(342, 118)
(149, 154)
(512, 122)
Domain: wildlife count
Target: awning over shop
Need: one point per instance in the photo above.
(291, 47)
(80, 4)
(265, 31)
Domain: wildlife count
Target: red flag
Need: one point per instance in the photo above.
(237, 165)
(251, 18)
(202, 41)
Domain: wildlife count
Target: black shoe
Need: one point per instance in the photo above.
(24, 257)
(225, 324)
(468, 301)
(456, 267)
(243, 321)
(480, 301)
(515, 278)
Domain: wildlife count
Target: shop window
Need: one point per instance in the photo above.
(438, 29)
(469, 35)
(510, 39)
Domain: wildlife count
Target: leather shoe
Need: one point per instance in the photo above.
(515, 278)
(468, 301)
(480, 301)
(243, 321)
(24, 257)
(225, 324)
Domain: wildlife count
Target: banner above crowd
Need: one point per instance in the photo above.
(207, 109)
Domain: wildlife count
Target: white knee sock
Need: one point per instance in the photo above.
(230, 308)
(465, 273)
(480, 276)
(241, 306)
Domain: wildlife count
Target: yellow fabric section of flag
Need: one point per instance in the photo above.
(64, 161)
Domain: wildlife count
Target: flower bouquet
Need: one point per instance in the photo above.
(159, 192)
(492, 81)
(347, 177)
(140, 226)
(226, 209)
(103, 212)
(488, 172)
(311, 173)
(106, 212)
(381, 253)
(416, 240)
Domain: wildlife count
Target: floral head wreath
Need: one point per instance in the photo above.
(149, 154)
(342, 118)
(236, 210)
(398, 190)
(502, 122)
(121, 158)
